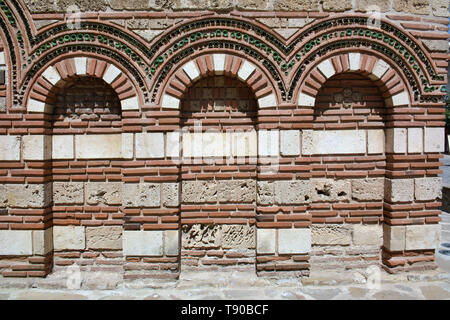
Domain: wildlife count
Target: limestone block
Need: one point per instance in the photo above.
(171, 246)
(193, 144)
(2, 58)
(98, 146)
(81, 65)
(366, 5)
(436, 45)
(170, 194)
(142, 243)
(337, 5)
(399, 190)
(331, 235)
(42, 241)
(307, 142)
(111, 74)
(268, 101)
(434, 139)
(293, 192)
(367, 235)
(238, 237)
(201, 236)
(38, 106)
(130, 104)
(268, 142)
(421, 237)
(375, 141)
(103, 193)
(412, 6)
(69, 238)
(327, 69)
(191, 70)
(394, 237)
(338, 142)
(10, 148)
(368, 189)
(52, 75)
(150, 145)
(212, 144)
(68, 192)
(396, 140)
(241, 144)
(107, 237)
(173, 144)
(400, 99)
(428, 188)
(379, 69)
(266, 240)
(37, 147)
(16, 243)
(127, 145)
(415, 140)
(170, 102)
(306, 100)
(28, 195)
(62, 147)
(290, 142)
(245, 71)
(141, 195)
(219, 63)
(199, 192)
(354, 59)
(291, 241)
(236, 191)
(330, 190)
(295, 5)
(266, 192)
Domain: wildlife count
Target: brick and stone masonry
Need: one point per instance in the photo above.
(277, 137)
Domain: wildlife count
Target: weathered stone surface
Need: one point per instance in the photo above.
(436, 45)
(369, 5)
(170, 194)
(290, 142)
(141, 195)
(68, 192)
(25, 195)
(68, 238)
(62, 147)
(171, 242)
(253, 4)
(295, 5)
(266, 240)
(199, 191)
(142, 243)
(37, 147)
(330, 190)
(368, 189)
(420, 237)
(337, 5)
(412, 6)
(266, 192)
(394, 237)
(294, 241)
(201, 236)
(274, 22)
(331, 235)
(439, 8)
(108, 237)
(242, 191)
(428, 188)
(9, 148)
(367, 235)
(50, 6)
(103, 193)
(16, 242)
(399, 190)
(42, 241)
(293, 192)
(238, 236)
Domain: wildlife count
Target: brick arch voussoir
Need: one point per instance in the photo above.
(218, 64)
(392, 86)
(42, 93)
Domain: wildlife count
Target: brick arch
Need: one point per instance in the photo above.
(42, 93)
(393, 87)
(219, 64)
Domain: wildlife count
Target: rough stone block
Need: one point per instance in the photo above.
(171, 246)
(412, 6)
(201, 236)
(236, 191)
(368, 189)
(290, 142)
(69, 238)
(42, 241)
(331, 235)
(367, 235)
(68, 193)
(399, 190)
(295, 5)
(337, 5)
(293, 192)
(37, 147)
(107, 237)
(428, 188)
(98, 146)
(16, 243)
(238, 236)
(199, 192)
(266, 192)
(150, 145)
(330, 190)
(26, 195)
(170, 194)
(266, 241)
(10, 148)
(62, 147)
(142, 243)
(421, 237)
(103, 193)
(141, 195)
(434, 139)
(394, 237)
(291, 241)
(439, 8)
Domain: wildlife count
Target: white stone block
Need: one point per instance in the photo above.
(170, 102)
(268, 101)
(38, 106)
(379, 69)
(396, 140)
(42, 241)
(421, 237)
(426, 189)
(394, 237)
(173, 144)
(415, 140)
(52, 75)
(327, 69)
(10, 148)
(143, 243)
(62, 147)
(81, 65)
(171, 247)
(111, 74)
(265, 240)
(98, 146)
(16, 243)
(127, 145)
(400, 99)
(290, 142)
(193, 144)
(219, 63)
(291, 241)
(37, 147)
(375, 141)
(367, 235)
(191, 70)
(242, 144)
(150, 145)
(434, 139)
(354, 61)
(339, 142)
(246, 70)
(212, 144)
(2, 58)
(268, 141)
(305, 100)
(69, 238)
(130, 103)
